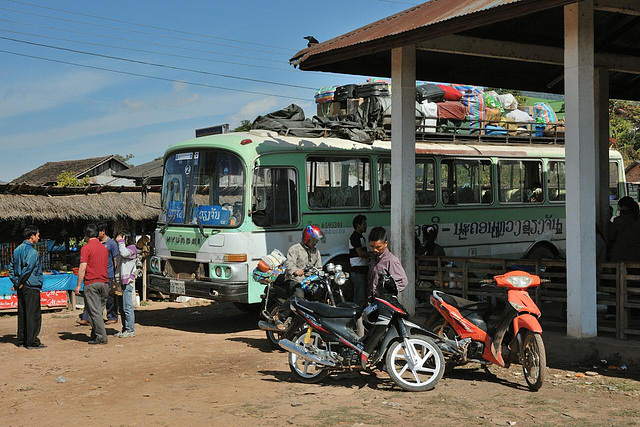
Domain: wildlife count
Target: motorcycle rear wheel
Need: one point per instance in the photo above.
(429, 370)
(534, 360)
(304, 370)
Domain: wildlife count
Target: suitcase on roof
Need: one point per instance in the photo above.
(345, 92)
(430, 93)
(367, 90)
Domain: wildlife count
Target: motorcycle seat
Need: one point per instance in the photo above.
(465, 304)
(325, 310)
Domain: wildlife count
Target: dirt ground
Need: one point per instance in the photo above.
(208, 364)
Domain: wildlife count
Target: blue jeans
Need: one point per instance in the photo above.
(125, 304)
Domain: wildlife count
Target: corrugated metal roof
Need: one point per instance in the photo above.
(450, 14)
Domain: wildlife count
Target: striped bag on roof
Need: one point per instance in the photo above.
(475, 110)
(543, 111)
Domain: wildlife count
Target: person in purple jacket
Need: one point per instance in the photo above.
(383, 262)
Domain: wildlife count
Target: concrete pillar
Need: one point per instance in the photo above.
(602, 147)
(403, 171)
(581, 163)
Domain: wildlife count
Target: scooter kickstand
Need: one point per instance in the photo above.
(488, 372)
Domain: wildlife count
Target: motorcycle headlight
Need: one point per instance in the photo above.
(338, 268)
(340, 278)
(330, 267)
(519, 281)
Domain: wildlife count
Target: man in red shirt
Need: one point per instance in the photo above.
(94, 261)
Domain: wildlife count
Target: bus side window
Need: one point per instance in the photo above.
(520, 181)
(338, 182)
(613, 181)
(556, 181)
(425, 182)
(384, 182)
(275, 201)
(532, 182)
(465, 181)
(447, 182)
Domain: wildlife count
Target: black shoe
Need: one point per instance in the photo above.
(98, 342)
(35, 347)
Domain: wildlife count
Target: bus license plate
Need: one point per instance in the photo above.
(176, 287)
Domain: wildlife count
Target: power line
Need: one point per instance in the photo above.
(117, 58)
(142, 42)
(150, 51)
(138, 32)
(148, 26)
(151, 77)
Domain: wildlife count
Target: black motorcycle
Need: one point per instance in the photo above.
(319, 286)
(408, 353)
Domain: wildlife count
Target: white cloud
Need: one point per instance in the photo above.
(53, 91)
(130, 114)
(133, 105)
(253, 109)
(142, 126)
(180, 86)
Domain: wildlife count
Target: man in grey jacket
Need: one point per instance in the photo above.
(25, 272)
(300, 256)
(384, 262)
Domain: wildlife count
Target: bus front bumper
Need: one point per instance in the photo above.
(227, 291)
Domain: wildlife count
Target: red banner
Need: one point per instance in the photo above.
(47, 299)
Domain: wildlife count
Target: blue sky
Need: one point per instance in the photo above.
(52, 111)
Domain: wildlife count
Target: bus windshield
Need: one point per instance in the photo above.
(203, 187)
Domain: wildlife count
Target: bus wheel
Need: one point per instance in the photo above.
(541, 252)
(248, 308)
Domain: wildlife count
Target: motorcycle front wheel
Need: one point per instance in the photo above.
(534, 360)
(417, 366)
(305, 370)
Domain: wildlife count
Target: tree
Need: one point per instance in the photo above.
(245, 126)
(624, 122)
(124, 158)
(68, 179)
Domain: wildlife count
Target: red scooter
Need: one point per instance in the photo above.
(516, 337)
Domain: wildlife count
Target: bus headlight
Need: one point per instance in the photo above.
(154, 264)
(340, 278)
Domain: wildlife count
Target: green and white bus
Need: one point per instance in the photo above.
(230, 199)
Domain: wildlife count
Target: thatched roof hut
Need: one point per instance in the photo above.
(89, 207)
(52, 207)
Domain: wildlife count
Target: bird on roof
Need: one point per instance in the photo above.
(312, 40)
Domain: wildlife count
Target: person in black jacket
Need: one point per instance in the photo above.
(624, 235)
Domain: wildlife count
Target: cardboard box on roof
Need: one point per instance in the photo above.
(331, 108)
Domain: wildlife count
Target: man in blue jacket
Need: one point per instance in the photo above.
(25, 273)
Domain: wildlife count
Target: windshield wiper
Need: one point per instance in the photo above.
(169, 221)
(200, 227)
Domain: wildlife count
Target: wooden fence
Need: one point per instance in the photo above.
(618, 287)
